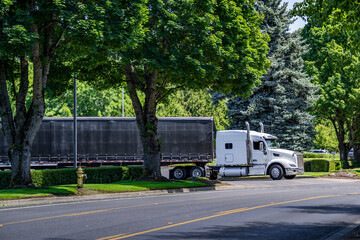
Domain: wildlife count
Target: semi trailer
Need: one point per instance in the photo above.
(186, 141)
(115, 141)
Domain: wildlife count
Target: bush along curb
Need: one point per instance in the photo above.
(322, 165)
(52, 177)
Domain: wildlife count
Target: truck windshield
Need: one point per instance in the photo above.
(272, 143)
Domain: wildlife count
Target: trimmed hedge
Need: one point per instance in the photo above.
(52, 177)
(321, 165)
(5, 177)
(317, 155)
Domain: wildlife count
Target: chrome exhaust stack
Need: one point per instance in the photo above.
(248, 144)
(261, 127)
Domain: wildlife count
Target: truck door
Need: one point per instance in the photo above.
(258, 156)
(229, 155)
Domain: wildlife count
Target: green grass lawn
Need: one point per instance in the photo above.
(109, 187)
(139, 186)
(27, 193)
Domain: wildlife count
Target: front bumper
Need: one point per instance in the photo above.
(294, 171)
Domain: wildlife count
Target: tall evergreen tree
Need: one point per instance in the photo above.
(282, 100)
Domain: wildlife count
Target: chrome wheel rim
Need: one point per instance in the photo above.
(196, 173)
(275, 172)
(178, 173)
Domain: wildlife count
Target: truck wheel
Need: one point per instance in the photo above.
(179, 173)
(276, 172)
(290, 177)
(196, 172)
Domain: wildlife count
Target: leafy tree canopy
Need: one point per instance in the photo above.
(333, 36)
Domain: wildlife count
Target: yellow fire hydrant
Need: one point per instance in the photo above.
(80, 177)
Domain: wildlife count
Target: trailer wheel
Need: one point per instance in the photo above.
(179, 173)
(276, 172)
(197, 171)
(290, 177)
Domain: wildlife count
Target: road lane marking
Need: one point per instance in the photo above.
(104, 210)
(105, 238)
(219, 214)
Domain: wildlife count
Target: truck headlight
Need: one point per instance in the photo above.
(292, 165)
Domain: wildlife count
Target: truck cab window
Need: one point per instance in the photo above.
(256, 145)
(228, 146)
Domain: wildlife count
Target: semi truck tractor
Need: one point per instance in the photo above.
(186, 142)
(250, 153)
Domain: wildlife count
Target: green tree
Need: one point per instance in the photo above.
(191, 103)
(285, 94)
(339, 102)
(31, 35)
(333, 36)
(93, 102)
(197, 44)
(326, 136)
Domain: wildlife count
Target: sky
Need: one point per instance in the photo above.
(299, 23)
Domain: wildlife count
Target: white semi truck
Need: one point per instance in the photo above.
(248, 153)
(188, 141)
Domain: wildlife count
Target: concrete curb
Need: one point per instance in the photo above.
(53, 200)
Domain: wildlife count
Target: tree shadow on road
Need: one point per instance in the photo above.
(256, 230)
(327, 209)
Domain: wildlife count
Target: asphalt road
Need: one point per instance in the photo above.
(260, 209)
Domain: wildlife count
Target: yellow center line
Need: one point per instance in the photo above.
(103, 210)
(105, 238)
(116, 237)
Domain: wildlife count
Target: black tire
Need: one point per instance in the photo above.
(290, 177)
(180, 173)
(197, 171)
(276, 172)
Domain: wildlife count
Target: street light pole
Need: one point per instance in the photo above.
(122, 102)
(75, 123)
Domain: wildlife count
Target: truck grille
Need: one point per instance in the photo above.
(300, 160)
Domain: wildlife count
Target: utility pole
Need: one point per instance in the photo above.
(75, 124)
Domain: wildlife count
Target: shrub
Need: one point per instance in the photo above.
(321, 165)
(5, 177)
(317, 155)
(52, 177)
(338, 165)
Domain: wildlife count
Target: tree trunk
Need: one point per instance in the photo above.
(357, 154)
(146, 119)
(20, 167)
(344, 149)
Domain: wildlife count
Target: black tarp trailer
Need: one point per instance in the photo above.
(115, 141)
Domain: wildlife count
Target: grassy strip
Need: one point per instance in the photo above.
(120, 186)
(28, 193)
